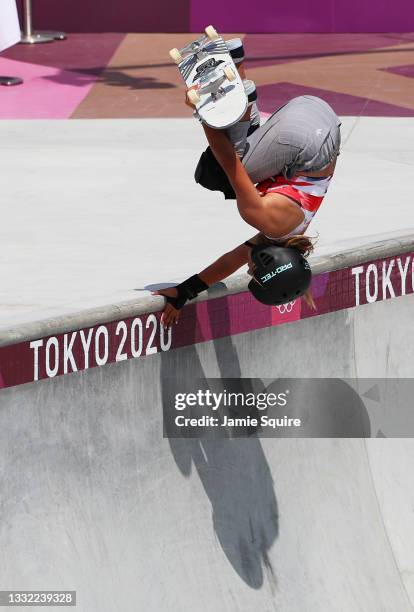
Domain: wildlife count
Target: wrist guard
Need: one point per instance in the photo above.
(187, 290)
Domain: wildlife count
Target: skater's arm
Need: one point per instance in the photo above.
(223, 267)
(249, 202)
(253, 208)
(272, 214)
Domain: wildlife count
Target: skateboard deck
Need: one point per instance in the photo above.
(207, 66)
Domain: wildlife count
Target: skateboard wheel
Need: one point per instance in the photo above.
(176, 56)
(211, 33)
(193, 96)
(229, 72)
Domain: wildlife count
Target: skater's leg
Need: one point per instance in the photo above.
(236, 48)
(301, 136)
(239, 132)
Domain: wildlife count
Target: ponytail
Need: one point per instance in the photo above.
(300, 242)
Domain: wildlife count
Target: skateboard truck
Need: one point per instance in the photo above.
(213, 87)
(196, 48)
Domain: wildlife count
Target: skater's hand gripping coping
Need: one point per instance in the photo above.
(170, 315)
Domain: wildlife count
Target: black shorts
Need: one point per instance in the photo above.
(210, 174)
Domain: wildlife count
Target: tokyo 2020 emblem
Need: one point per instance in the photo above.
(284, 308)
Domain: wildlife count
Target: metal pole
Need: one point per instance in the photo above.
(29, 36)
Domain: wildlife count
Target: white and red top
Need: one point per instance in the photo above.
(306, 191)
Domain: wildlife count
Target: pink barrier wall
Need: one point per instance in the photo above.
(139, 336)
(304, 16)
(237, 16)
(111, 16)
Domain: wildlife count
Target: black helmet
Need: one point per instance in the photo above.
(281, 274)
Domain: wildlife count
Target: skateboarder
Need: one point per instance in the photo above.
(301, 136)
(278, 173)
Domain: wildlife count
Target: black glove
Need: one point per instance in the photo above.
(187, 290)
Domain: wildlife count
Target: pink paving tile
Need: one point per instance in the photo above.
(47, 92)
(275, 49)
(406, 71)
(272, 97)
(86, 53)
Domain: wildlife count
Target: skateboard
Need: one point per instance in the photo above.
(207, 66)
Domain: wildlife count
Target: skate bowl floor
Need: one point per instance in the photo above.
(96, 499)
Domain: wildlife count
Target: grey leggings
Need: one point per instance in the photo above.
(301, 136)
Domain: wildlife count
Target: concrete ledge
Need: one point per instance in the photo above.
(387, 245)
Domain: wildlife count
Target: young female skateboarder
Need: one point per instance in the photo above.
(279, 174)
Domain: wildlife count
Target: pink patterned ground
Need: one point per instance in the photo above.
(47, 92)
